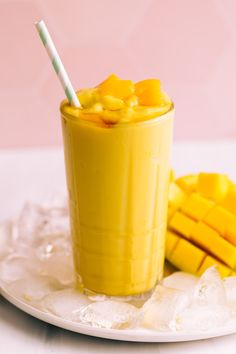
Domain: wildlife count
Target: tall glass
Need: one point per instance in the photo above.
(117, 178)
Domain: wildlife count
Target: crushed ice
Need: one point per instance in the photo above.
(36, 267)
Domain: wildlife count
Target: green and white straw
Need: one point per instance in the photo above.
(57, 64)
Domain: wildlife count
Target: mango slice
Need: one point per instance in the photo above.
(149, 92)
(202, 224)
(116, 87)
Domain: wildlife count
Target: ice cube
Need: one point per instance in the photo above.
(136, 300)
(59, 266)
(36, 222)
(230, 289)
(28, 223)
(160, 311)
(181, 281)
(16, 267)
(108, 314)
(64, 303)
(210, 289)
(33, 288)
(202, 317)
(5, 238)
(50, 245)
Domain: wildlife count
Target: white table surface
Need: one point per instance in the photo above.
(38, 174)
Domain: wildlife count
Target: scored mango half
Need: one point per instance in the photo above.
(202, 224)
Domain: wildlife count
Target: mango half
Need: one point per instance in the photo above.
(202, 224)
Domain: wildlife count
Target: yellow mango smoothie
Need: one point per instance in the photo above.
(117, 154)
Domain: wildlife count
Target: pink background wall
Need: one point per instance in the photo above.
(189, 44)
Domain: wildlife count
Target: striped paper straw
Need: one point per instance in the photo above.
(57, 64)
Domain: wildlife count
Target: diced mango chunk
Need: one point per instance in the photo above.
(149, 92)
(219, 219)
(186, 256)
(229, 202)
(213, 185)
(230, 232)
(87, 97)
(197, 207)
(171, 242)
(112, 103)
(176, 195)
(209, 262)
(212, 242)
(188, 183)
(182, 224)
(116, 87)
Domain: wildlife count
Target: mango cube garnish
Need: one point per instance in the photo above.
(87, 97)
(112, 103)
(113, 86)
(202, 224)
(149, 92)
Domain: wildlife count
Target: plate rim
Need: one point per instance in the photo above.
(140, 335)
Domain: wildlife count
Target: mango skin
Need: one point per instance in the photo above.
(202, 226)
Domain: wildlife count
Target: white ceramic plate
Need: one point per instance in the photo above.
(131, 335)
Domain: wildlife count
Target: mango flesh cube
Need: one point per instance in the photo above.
(186, 256)
(209, 262)
(87, 97)
(197, 206)
(112, 103)
(229, 202)
(230, 233)
(188, 183)
(175, 199)
(176, 196)
(149, 92)
(182, 224)
(116, 87)
(212, 242)
(219, 219)
(171, 242)
(213, 185)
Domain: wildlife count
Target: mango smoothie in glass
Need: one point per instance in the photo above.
(117, 154)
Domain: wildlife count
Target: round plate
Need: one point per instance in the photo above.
(131, 335)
